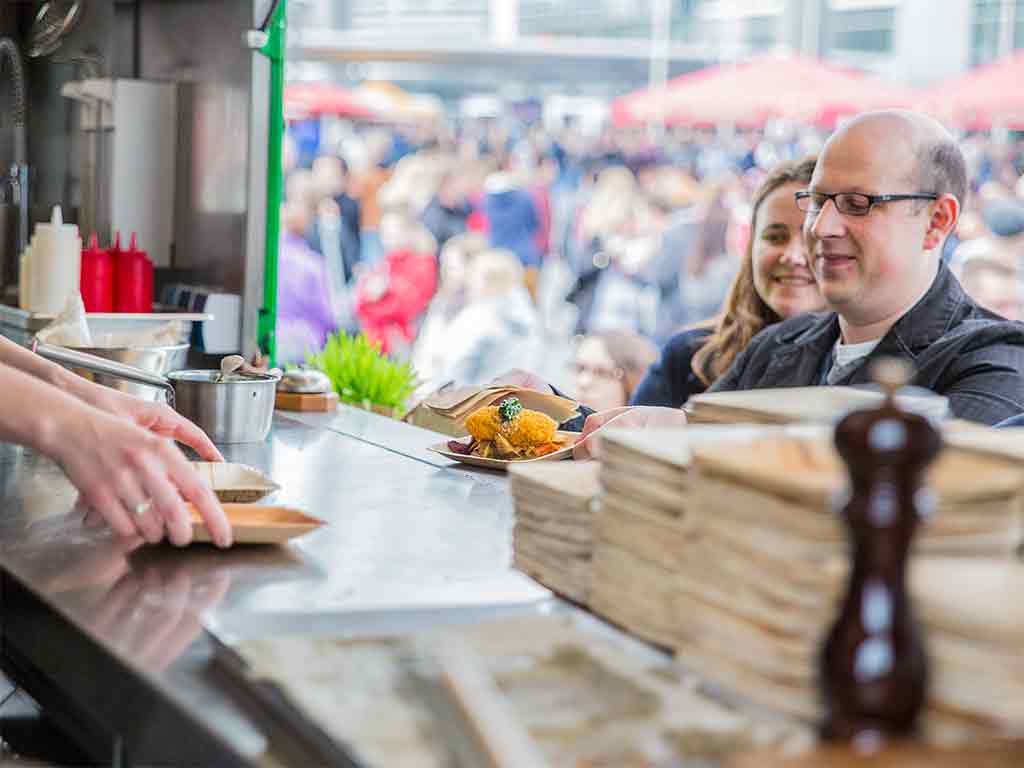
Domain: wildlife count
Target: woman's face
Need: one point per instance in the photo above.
(598, 381)
(782, 275)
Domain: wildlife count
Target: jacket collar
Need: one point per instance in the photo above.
(943, 305)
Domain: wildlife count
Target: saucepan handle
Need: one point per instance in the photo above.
(73, 357)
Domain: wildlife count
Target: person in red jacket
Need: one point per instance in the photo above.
(392, 295)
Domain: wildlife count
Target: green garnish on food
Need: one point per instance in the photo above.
(509, 408)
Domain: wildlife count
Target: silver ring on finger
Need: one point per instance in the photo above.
(143, 507)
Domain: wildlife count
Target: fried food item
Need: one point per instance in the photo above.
(483, 423)
(527, 430)
(509, 431)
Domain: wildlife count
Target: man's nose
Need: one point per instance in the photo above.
(827, 222)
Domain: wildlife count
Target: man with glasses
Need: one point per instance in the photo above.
(886, 192)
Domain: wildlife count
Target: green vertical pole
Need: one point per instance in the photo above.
(273, 49)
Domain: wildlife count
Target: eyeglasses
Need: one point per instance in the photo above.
(598, 372)
(852, 203)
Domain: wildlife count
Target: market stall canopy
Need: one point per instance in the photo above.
(303, 100)
(751, 92)
(981, 98)
(391, 102)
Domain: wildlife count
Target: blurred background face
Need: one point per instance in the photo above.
(598, 380)
(782, 275)
(328, 176)
(296, 218)
(994, 286)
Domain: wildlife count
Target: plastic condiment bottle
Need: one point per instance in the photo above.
(97, 281)
(54, 264)
(873, 668)
(133, 288)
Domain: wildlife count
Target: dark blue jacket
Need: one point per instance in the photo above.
(972, 356)
(671, 381)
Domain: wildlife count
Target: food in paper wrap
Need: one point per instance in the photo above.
(508, 431)
(447, 411)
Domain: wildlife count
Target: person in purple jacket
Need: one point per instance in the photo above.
(305, 307)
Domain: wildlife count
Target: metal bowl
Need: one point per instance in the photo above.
(235, 409)
(155, 360)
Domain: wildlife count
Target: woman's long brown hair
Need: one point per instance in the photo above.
(745, 313)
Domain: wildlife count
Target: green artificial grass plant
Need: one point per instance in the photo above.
(362, 375)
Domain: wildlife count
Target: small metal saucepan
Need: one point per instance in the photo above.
(237, 408)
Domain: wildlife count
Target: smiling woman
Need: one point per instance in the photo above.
(775, 282)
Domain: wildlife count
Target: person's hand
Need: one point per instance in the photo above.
(589, 444)
(517, 377)
(136, 479)
(158, 418)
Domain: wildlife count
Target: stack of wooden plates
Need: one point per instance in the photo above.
(644, 532)
(553, 533)
(724, 548)
(975, 621)
(787, 405)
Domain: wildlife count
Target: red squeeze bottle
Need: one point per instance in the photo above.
(146, 266)
(97, 278)
(130, 280)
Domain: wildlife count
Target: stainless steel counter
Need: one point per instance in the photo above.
(110, 631)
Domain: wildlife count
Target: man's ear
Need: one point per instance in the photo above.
(945, 212)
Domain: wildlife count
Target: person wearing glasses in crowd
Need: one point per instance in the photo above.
(885, 194)
(608, 367)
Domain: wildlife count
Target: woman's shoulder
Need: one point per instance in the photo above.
(687, 341)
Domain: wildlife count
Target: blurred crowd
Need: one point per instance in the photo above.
(474, 249)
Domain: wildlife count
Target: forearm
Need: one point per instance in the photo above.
(18, 357)
(41, 425)
(26, 361)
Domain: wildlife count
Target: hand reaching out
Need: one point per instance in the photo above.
(589, 445)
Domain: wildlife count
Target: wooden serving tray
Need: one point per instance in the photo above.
(235, 483)
(503, 464)
(257, 524)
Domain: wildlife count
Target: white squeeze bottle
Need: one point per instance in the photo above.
(56, 263)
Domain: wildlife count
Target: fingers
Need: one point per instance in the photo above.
(597, 420)
(201, 496)
(177, 427)
(589, 444)
(137, 498)
(168, 506)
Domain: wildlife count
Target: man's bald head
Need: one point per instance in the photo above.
(938, 164)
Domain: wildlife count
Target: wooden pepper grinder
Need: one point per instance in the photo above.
(873, 668)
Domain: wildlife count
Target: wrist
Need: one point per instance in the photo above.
(49, 431)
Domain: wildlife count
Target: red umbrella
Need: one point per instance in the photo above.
(303, 100)
(751, 92)
(990, 94)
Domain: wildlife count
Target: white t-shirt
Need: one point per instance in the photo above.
(844, 356)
